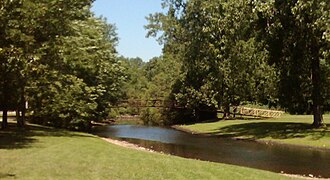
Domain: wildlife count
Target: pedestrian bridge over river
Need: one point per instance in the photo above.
(159, 103)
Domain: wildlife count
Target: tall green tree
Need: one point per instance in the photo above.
(59, 57)
(94, 60)
(85, 79)
(16, 53)
(297, 36)
(222, 64)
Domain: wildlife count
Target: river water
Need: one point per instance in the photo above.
(272, 157)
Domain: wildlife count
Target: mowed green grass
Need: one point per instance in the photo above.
(291, 129)
(44, 153)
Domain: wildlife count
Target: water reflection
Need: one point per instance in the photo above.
(276, 158)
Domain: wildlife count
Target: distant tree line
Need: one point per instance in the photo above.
(152, 80)
(61, 59)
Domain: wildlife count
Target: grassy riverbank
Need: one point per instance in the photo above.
(44, 153)
(291, 129)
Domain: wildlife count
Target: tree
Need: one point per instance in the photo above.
(94, 60)
(152, 80)
(222, 64)
(136, 84)
(82, 81)
(17, 42)
(297, 37)
(67, 86)
(161, 73)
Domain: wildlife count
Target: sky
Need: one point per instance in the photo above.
(129, 18)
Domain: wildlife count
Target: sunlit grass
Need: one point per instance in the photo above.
(293, 129)
(9, 114)
(44, 153)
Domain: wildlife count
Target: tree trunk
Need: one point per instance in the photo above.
(17, 116)
(4, 98)
(316, 91)
(234, 111)
(4, 123)
(318, 117)
(22, 109)
(226, 112)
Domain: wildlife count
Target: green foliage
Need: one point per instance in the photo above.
(62, 59)
(269, 52)
(325, 68)
(90, 55)
(151, 80)
(297, 37)
(222, 64)
(291, 32)
(161, 73)
(136, 84)
(65, 102)
(152, 116)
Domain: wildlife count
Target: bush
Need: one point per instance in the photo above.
(152, 117)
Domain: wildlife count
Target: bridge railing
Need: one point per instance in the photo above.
(146, 103)
(258, 112)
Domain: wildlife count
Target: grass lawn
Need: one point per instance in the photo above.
(292, 129)
(44, 153)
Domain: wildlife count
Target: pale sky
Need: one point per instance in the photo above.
(129, 18)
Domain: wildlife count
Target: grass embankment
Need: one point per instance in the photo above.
(291, 129)
(44, 153)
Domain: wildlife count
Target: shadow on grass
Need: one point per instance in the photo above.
(7, 176)
(238, 117)
(17, 138)
(275, 130)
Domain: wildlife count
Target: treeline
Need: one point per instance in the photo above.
(152, 80)
(61, 59)
(233, 52)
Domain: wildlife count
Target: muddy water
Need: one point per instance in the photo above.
(276, 158)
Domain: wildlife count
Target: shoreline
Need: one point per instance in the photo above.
(126, 144)
(261, 141)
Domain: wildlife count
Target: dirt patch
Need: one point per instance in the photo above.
(126, 144)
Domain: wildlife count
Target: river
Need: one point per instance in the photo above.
(272, 157)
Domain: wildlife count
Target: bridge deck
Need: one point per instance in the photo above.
(258, 112)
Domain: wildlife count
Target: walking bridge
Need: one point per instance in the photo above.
(157, 103)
